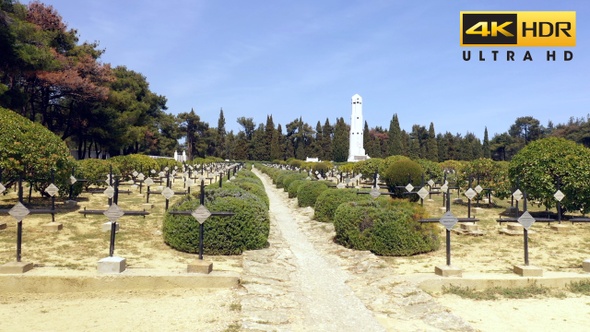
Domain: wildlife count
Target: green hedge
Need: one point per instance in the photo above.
(135, 162)
(399, 174)
(290, 177)
(95, 171)
(247, 230)
(294, 187)
(329, 200)
(31, 150)
(309, 192)
(384, 228)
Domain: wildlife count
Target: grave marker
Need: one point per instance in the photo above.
(526, 220)
(201, 214)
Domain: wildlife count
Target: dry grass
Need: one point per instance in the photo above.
(562, 251)
(81, 242)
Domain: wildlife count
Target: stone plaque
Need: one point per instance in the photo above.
(52, 190)
(526, 220)
(559, 195)
(113, 212)
(409, 187)
(448, 220)
(430, 182)
(517, 195)
(478, 189)
(444, 187)
(168, 193)
(148, 182)
(423, 192)
(19, 211)
(201, 214)
(73, 179)
(470, 193)
(135, 174)
(109, 192)
(140, 177)
(375, 192)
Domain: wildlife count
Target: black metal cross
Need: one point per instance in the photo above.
(114, 213)
(201, 214)
(19, 211)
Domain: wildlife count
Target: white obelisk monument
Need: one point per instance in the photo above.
(356, 150)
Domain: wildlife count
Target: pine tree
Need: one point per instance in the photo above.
(395, 137)
(341, 140)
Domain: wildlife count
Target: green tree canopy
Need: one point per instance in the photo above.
(541, 164)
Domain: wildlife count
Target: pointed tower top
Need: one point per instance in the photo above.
(357, 99)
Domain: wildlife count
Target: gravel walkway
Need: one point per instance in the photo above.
(305, 282)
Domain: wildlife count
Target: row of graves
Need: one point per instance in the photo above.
(157, 183)
(518, 222)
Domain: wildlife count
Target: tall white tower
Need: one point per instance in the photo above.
(356, 150)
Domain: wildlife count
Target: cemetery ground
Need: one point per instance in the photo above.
(76, 249)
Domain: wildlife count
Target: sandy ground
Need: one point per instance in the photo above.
(216, 310)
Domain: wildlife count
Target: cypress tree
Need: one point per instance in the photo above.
(327, 133)
(431, 145)
(221, 149)
(395, 137)
(341, 140)
(367, 138)
(487, 152)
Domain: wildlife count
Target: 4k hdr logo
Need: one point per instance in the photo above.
(552, 29)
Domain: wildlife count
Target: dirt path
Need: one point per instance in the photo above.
(305, 282)
(323, 300)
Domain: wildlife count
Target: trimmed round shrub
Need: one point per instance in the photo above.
(294, 187)
(368, 167)
(329, 200)
(95, 171)
(135, 162)
(247, 229)
(389, 229)
(309, 192)
(290, 177)
(278, 179)
(31, 150)
(322, 167)
(399, 174)
(251, 185)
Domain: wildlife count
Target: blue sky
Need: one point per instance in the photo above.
(307, 58)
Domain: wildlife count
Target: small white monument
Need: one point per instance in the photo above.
(356, 151)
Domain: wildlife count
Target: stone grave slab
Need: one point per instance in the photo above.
(15, 267)
(469, 229)
(199, 266)
(448, 271)
(514, 229)
(53, 227)
(560, 228)
(528, 271)
(586, 265)
(112, 265)
(106, 227)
